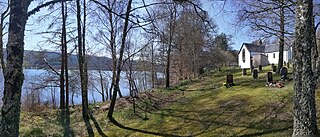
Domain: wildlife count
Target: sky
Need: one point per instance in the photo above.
(225, 18)
(219, 11)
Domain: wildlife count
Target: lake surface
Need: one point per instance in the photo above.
(45, 83)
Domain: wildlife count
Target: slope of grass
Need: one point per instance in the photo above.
(201, 107)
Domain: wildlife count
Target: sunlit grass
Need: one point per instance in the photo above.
(200, 107)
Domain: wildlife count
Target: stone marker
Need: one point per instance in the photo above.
(260, 67)
(230, 79)
(272, 66)
(288, 65)
(255, 74)
(269, 77)
(283, 73)
(274, 69)
(244, 72)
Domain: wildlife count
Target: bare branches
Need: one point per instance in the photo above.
(138, 24)
(203, 17)
(2, 26)
(5, 13)
(264, 16)
(37, 9)
(54, 70)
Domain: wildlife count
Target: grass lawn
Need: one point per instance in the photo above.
(202, 107)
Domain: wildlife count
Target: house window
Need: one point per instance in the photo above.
(274, 55)
(243, 55)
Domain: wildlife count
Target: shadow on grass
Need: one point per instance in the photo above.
(267, 132)
(235, 113)
(273, 114)
(233, 116)
(113, 121)
(97, 126)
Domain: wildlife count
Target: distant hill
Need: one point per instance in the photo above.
(35, 59)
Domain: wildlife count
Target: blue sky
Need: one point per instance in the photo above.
(219, 11)
(225, 17)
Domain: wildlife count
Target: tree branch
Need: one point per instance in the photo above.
(45, 60)
(36, 9)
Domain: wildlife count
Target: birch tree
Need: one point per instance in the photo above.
(304, 105)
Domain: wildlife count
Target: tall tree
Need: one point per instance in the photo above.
(222, 41)
(64, 62)
(83, 66)
(10, 111)
(304, 106)
(110, 24)
(166, 33)
(281, 34)
(116, 84)
(62, 69)
(13, 75)
(173, 16)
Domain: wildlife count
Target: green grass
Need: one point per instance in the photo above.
(201, 107)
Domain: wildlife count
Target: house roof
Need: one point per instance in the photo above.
(275, 48)
(263, 49)
(253, 47)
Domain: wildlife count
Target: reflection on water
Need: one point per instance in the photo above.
(44, 85)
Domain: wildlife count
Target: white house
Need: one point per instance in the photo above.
(254, 55)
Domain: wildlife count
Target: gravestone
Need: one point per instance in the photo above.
(283, 73)
(274, 69)
(272, 66)
(284, 63)
(201, 71)
(244, 72)
(288, 65)
(269, 77)
(260, 67)
(255, 74)
(230, 79)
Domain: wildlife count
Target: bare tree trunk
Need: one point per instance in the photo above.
(102, 86)
(144, 80)
(172, 18)
(120, 61)
(168, 66)
(10, 111)
(65, 52)
(53, 95)
(3, 16)
(281, 42)
(153, 71)
(83, 68)
(113, 49)
(132, 88)
(72, 98)
(66, 116)
(62, 80)
(304, 107)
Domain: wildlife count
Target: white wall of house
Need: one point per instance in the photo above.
(289, 54)
(273, 57)
(246, 62)
(285, 56)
